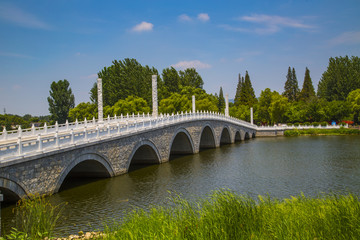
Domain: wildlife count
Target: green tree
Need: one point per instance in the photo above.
(240, 111)
(175, 103)
(278, 108)
(126, 78)
(171, 80)
(129, 105)
(61, 100)
(237, 99)
(82, 111)
(221, 101)
(264, 106)
(354, 100)
(291, 86)
(341, 77)
(307, 91)
(190, 77)
(337, 110)
(247, 96)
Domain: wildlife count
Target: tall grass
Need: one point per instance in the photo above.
(317, 131)
(227, 215)
(35, 218)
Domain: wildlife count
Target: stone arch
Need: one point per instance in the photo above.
(12, 191)
(207, 138)
(247, 135)
(237, 137)
(225, 136)
(144, 153)
(253, 135)
(97, 165)
(181, 143)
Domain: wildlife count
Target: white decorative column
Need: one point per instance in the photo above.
(154, 96)
(227, 105)
(193, 103)
(251, 116)
(100, 100)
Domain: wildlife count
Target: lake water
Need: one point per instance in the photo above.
(279, 166)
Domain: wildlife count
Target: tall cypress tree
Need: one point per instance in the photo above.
(247, 92)
(238, 92)
(291, 86)
(307, 91)
(221, 102)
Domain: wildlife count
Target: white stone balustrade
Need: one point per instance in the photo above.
(36, 140)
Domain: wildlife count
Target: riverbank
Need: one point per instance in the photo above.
(227, 215)
(319, 131)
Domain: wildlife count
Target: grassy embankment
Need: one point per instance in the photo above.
(319, 131)
(227, 215)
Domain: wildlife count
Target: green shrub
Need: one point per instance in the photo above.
(307, 123)
(296, 124)
(324, 124)
(315, 124)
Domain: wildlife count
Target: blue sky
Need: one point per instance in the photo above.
(45, 41)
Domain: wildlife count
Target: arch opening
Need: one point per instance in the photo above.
(237, 136)
(225, 137)
(181, 145)
(253, 135)
(84, 172)
(143, 157)
(9, 197)
(207, 139)
(247, 136)
(11, 191)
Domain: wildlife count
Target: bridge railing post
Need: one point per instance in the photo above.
(71, 136)
(40, 142)
(20, 150)
(4, 135)
(56, 139)
(85, 134)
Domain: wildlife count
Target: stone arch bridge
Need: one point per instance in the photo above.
(41, 159)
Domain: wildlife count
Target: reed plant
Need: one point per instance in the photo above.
(35, 218)
(227, 215)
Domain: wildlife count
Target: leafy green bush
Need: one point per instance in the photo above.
(324, 124)
(307, 123)
(315, 124)
(296, 124)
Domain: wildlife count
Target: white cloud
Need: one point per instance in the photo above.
(143, 27)
(184, 18)
(91, 76)
(204, 17)
(268, 24)
(346, 38)
(191, 64)
(19, 17)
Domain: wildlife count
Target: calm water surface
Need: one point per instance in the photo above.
(279, 166)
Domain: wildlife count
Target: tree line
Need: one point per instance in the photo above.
(127, 89)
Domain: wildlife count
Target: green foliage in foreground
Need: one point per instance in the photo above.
(319, 131)
(35, 218)
(227, 215)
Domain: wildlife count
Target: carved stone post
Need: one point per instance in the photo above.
(100, 100)
(227, 105)
(154, 96)
(251, 116)
(193, 104)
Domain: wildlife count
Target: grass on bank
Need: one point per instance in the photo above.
(227, 215)
(319, 131)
